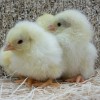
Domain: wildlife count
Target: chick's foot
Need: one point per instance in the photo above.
(49, 82)
(31, 82)
(76, 79)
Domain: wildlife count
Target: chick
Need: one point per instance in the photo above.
(35, 52)
(74, 33)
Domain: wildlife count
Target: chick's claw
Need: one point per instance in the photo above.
(76, 79)
(79, 79)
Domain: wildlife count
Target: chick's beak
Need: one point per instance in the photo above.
(8, 47)
(52, 28)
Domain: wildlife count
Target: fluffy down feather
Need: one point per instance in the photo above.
(74, 34)
(35, 53)
(5, 60)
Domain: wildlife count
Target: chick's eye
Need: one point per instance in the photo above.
(20, 42)
(59, 24)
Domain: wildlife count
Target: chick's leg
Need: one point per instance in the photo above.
(29, 82)
(76, 79)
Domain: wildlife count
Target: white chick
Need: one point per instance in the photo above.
(74, 34)
(35, 52)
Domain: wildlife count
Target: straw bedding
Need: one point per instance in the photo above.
(11, 11)
(89, 90)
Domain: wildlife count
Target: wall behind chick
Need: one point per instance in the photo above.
(12, 11)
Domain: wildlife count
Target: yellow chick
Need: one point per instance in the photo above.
(35, 52)
(74, 33)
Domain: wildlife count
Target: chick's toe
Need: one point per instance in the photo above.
(76, 79)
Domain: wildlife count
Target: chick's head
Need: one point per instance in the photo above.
(47, 21)
(52, 24)
(73, 19)
(20, 37)
(59, 25)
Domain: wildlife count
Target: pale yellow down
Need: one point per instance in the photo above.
(74, 36)
(39, 56)
(5, 60)
(45, 20)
